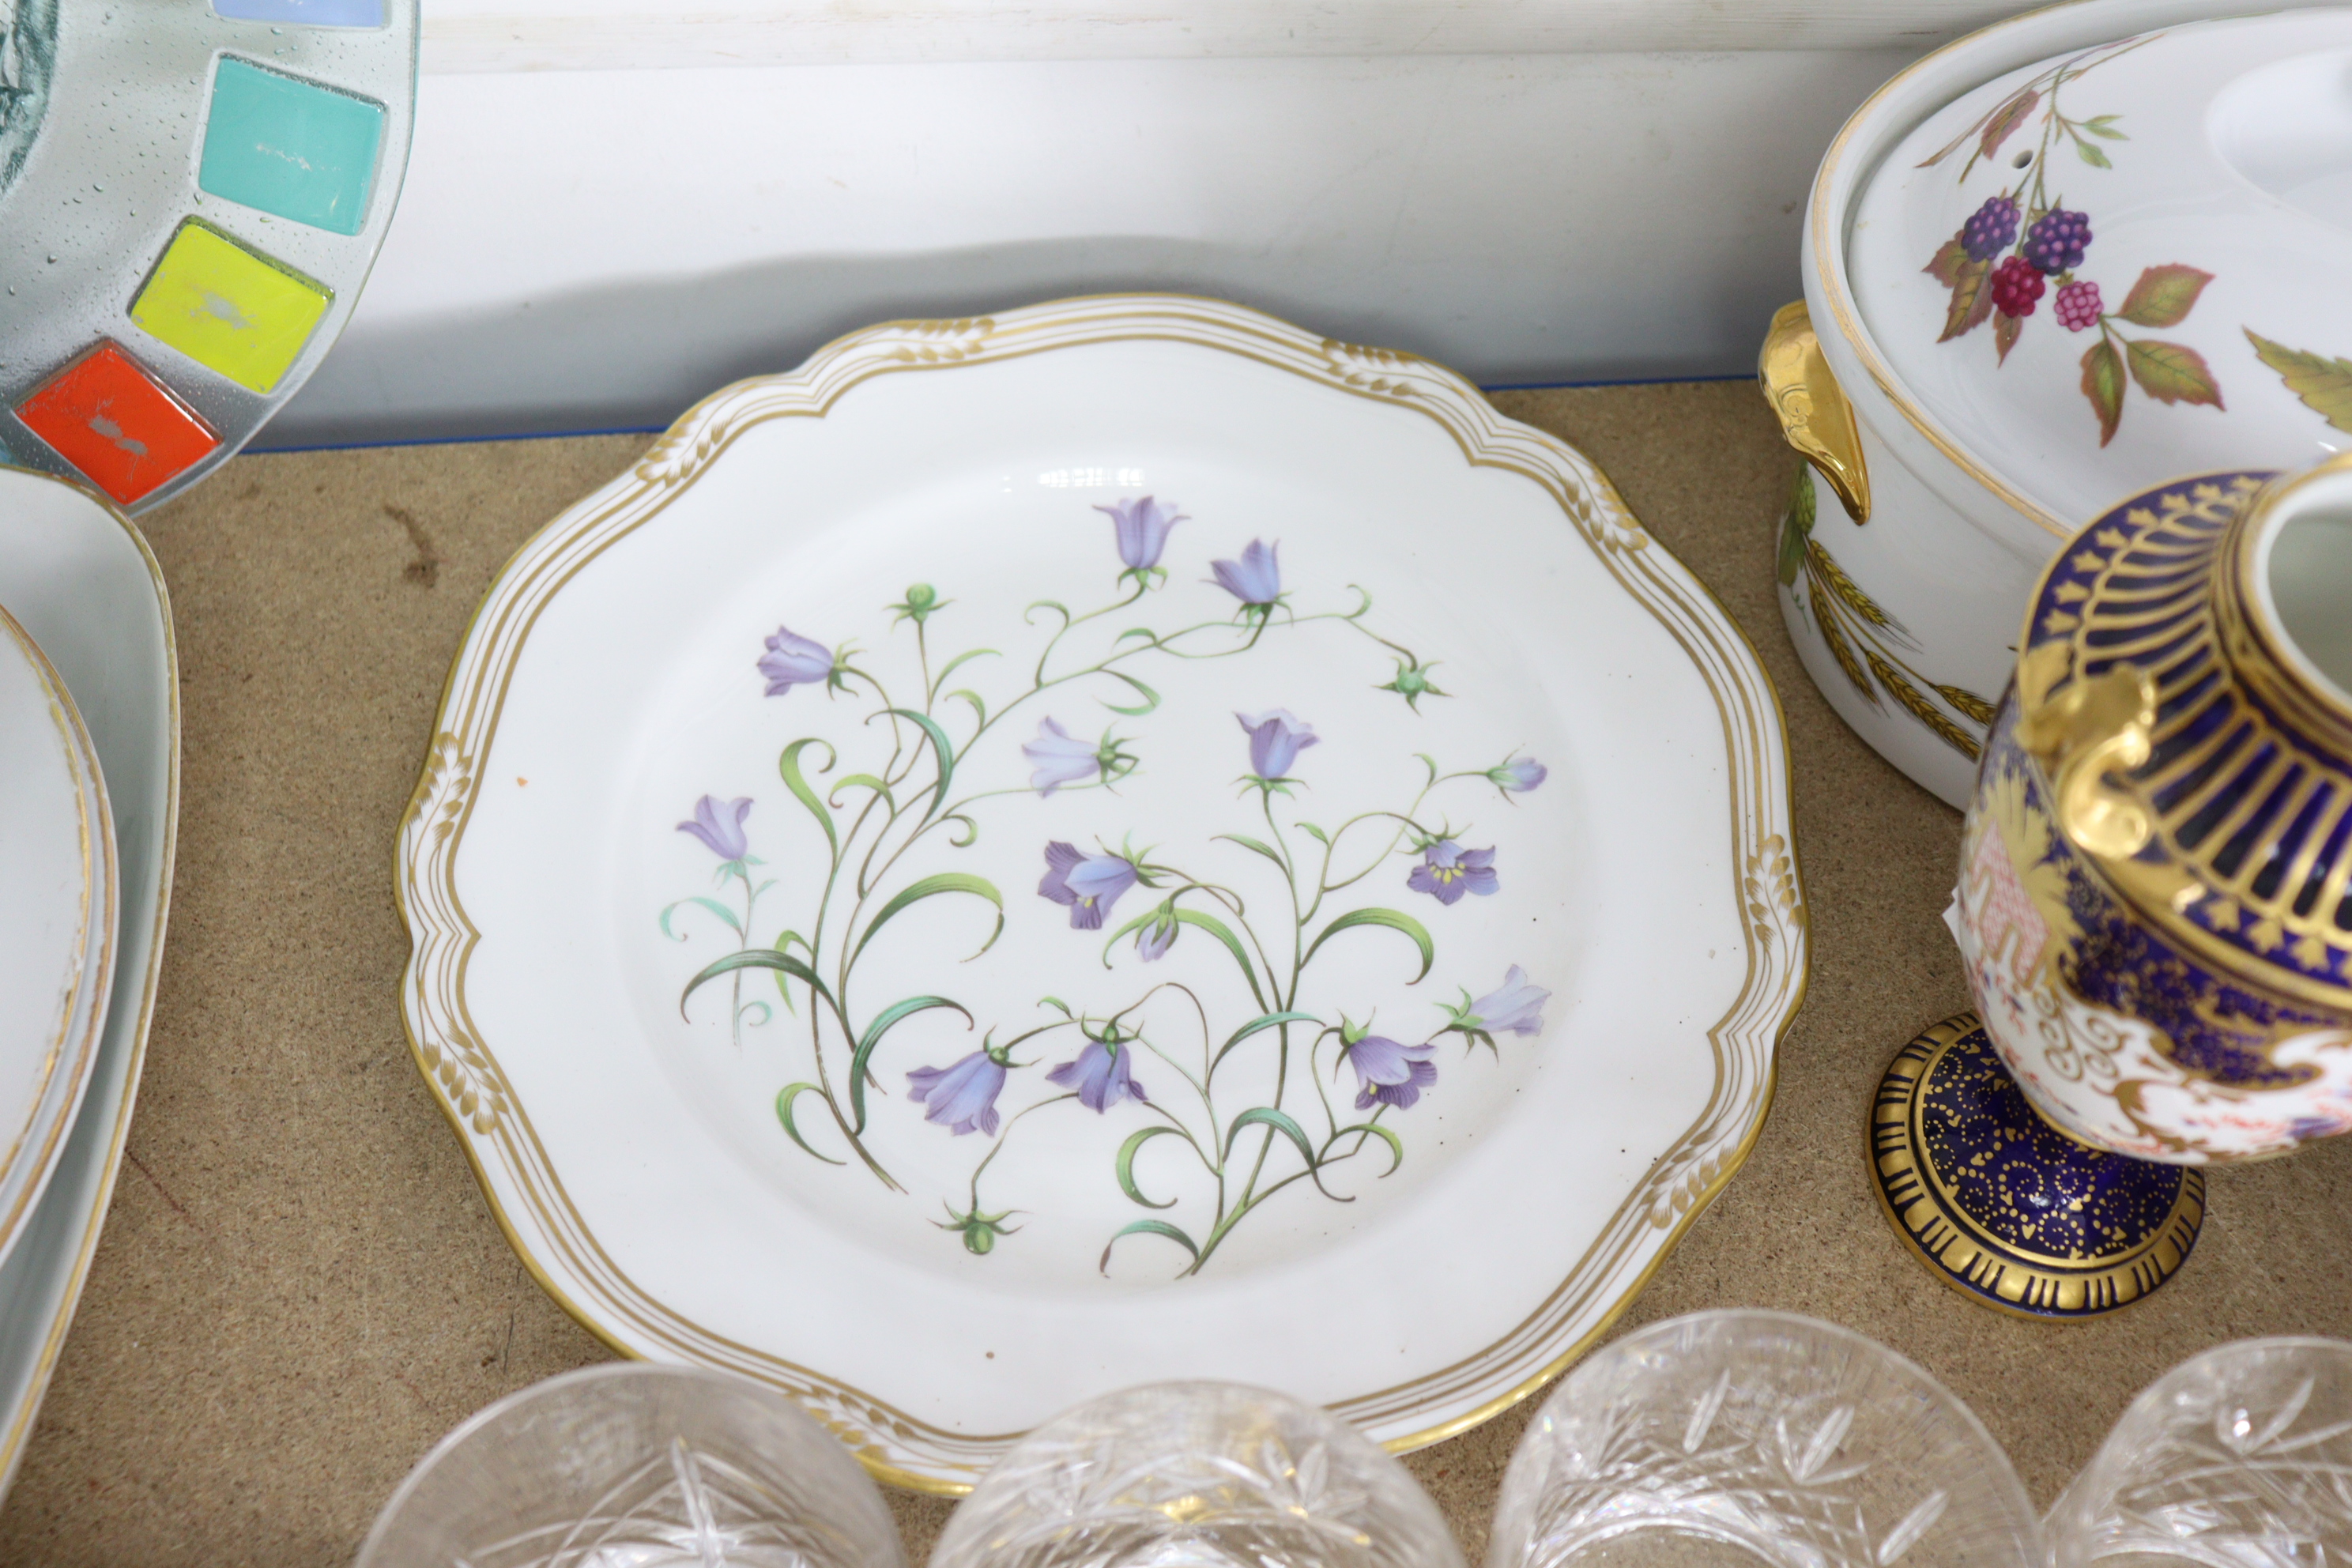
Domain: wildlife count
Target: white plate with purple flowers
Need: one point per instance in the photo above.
(1113, 842)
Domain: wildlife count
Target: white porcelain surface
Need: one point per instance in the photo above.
(77, 576)
(1420, 200)
(57, 919)
(1930, 571)
(2187, 256)
(927, 1297)
(1995, 462)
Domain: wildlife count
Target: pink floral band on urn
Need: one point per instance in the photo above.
(2152, 903)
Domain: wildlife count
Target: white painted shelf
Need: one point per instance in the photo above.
(1529, 190)
(604, 35)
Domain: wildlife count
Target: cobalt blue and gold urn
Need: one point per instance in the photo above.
(2154, 904)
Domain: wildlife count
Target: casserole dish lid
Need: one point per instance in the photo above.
(2125, 262)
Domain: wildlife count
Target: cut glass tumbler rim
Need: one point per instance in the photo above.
(1784, 1437)
(790, 1421)
(2235, 1456)
(1799, 1322)
(1197, 1472)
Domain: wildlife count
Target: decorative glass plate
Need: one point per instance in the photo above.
(1114, 842)
(80, 579)
(191, 197)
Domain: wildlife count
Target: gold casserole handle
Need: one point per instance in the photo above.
(2099, 725)
(1814, 414)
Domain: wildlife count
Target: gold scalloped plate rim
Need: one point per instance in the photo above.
(465, 1081)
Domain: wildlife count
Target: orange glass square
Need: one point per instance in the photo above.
(110, 419)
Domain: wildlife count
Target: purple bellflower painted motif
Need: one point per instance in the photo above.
(1518, 776)
(1088, 884)
(720, 826)
(1389, 1073)
(1276, 737)
(1059, 757)
(1152, 943)
(1142, 530)
(1514, 1007)
(793, 660)
(1447, 871)
(874, 810)
(1256, 578)
(1102, 1075)
(960, 1096)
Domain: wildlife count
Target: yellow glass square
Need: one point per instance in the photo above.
(229, 309)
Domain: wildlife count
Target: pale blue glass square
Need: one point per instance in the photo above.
(304, 13)
(290, 147)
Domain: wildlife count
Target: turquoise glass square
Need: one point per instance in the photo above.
(290, 147)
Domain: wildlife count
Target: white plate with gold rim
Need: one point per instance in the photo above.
(57, 897)
(79, 578)
(1118, 841)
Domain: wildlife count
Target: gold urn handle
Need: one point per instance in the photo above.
(1814, 414)
(2097, 725)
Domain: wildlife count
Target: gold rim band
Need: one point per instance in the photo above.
(512, 1165)
(2252, 642)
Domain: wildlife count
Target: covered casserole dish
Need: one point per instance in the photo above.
(2065, 260)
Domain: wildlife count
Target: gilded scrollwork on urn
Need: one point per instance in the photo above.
(2151, 902)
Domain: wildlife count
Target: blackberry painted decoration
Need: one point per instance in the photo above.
(2054, 242)
(2075, 255)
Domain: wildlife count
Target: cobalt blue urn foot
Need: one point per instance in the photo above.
(2005, 1208)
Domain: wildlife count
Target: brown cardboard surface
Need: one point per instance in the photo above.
(300, 1287)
